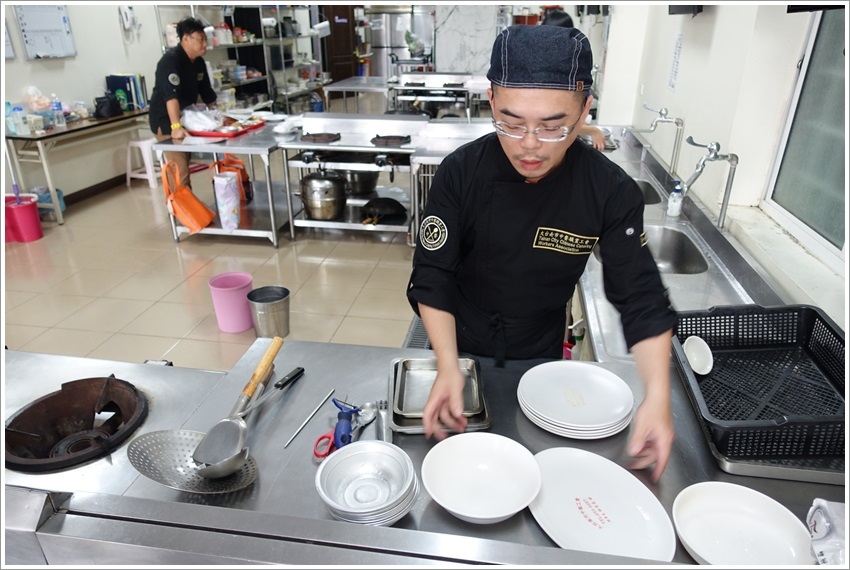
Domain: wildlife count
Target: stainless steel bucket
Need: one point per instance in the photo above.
(270, 311)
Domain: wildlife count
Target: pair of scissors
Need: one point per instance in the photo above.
(340, 435)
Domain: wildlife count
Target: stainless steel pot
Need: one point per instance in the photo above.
(323, 194)
(361, 181)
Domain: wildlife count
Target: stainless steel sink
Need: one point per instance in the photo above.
(674, 252)
(650, 194)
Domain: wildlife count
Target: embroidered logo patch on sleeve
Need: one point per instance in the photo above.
(174, 79)
(563, 242)
(433, 233)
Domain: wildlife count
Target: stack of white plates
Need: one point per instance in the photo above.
(368, 482)
(575, 399)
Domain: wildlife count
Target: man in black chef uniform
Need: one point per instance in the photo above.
(512, 219)
(181, 76)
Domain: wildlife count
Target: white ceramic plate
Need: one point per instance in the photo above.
(576, 434)
(587, 502)
(262, 114)
(274, 117)
(576, 394)
(537, 418)
(724, 523)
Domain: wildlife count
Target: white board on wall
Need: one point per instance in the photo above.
(45, 31)
(10, 49)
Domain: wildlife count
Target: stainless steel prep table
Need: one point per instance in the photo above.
(356, 85)
(356, 132)
(263, 217)
(280, 518)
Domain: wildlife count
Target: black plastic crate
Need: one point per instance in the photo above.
(777, 385)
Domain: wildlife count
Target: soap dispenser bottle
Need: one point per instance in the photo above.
(674, 202)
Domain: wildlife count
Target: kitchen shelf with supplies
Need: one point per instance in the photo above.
(364, 143)
(293, 53)
(275, 41)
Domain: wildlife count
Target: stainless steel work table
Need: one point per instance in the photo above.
(266, 213)
(356, 133)
(356, 85)
(280, 518)
(36, 147)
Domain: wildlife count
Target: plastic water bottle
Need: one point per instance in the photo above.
(674, 202)
(58, 114)
(21, 127)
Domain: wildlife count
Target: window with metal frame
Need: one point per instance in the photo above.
(807, 191)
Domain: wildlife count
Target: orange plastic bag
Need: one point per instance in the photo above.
(182, 203)
(230, 163)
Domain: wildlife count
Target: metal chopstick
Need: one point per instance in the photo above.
(309, 418)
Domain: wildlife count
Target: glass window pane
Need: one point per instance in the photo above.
(811, 181)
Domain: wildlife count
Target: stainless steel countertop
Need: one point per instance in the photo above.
(280, 518)
(261, 141)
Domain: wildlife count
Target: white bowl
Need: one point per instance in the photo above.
(699, 355)
(365, 478)
(481, 478)
(733, 525)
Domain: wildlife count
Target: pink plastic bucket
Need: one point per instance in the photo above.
(230, 298)
(22, 221)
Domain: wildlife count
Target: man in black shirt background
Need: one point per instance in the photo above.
(181, 77)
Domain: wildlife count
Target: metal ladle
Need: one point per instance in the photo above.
(222, 451)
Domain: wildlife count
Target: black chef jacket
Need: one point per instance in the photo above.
(178, 77)
(504, 256)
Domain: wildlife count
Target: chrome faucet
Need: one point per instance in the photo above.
(663, 118)
(713, 155)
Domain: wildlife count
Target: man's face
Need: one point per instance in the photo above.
(194, 44)
(546, 109)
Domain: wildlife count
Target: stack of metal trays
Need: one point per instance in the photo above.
(410, 384)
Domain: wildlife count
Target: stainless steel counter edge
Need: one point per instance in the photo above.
(251, 537)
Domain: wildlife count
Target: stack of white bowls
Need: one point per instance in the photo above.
(368, 482)
(573, 399)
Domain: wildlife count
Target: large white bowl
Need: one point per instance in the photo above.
(481, 478)
(729, 524)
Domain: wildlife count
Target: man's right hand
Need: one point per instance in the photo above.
(444, 409)
(178, 134)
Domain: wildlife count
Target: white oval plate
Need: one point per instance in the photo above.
(576, 394)
(275, 117)
(587, 502)
(724, 523)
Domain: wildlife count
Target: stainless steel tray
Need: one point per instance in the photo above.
(402, 424)
(414, 378)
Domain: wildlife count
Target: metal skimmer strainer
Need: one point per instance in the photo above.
(166, 457)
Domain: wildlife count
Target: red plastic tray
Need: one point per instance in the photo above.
(219, 134)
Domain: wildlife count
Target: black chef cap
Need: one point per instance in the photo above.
(541, 57)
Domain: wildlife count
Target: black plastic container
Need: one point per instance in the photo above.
(776, 389)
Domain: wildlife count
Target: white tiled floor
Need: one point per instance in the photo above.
(111, 283)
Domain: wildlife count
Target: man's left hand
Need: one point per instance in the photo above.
(652, 436)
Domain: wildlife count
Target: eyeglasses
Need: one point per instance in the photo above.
(543, 134)
(199, 38)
